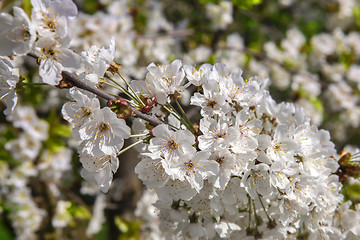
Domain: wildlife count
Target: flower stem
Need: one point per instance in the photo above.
(185, 117)
(178, 116)
(140, 135)
(130, 146)
(121, 88)
(262, 204)
(255, 215)
(249, 203)
(34, 84)
(139, 100)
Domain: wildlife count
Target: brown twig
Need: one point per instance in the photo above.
(80, 83)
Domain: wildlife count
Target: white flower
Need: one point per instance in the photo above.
(280, 172)
(54, 58)
(192, 230)
(50, 17)
(151, 172)
(197, 77)
(17, 34)
(234, 194)
(53, 165)
(9, 77)
(183, 191)
(80, 111)
(24, 214)
(171, 145)
(225, 228)
(62, 217)
(39, 129)
(95, 62)
(195, 168)
(215, 133)
(245, 131)
(96, 163)
(323, 43)
(353, 74)
(104, 134)
(226, 163)
(282, 147)
(165, 79)
(220, 15)
(101, 178)
(257, 181)
(212, 101)
(303, 190)
(347, 219)
(25, 117)
(24, 148)
(98, 216)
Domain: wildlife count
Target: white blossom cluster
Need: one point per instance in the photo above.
(31, 161)
(239, 166)
(320, 71)
(48, 38)
(254, 168)
(102, 135)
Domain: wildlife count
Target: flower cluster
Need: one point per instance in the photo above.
(25, 152)
(102, 135)
(253, 167)
(220, 158)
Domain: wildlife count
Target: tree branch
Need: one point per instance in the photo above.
(80, 83)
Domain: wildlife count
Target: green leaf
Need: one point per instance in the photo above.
(312, 27)
(57, 132)
(61, 130)
(5, 233)
(54, 144)
(103, 233)
(347, 59)
(121, 225)
(209, 1)
(80, 212)
(27, 6)
(317, 104)
(246, 4)
(352, 191)
(356, 12)
(212, 59)
(128, 229)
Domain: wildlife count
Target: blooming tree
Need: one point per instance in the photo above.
(218, 156)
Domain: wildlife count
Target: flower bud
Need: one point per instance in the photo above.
(121, 108)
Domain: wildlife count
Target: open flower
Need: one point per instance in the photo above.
(9, 77)
(54, 58)
(195, 168)
(165, 79)
(50, 17)
(17, 34)
(80, 111)
(104, 134)
(171, 145)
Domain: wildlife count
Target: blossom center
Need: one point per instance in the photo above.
(211, 103)
(104, 127)
(172, 145)
(19, 34)
(220, 160)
